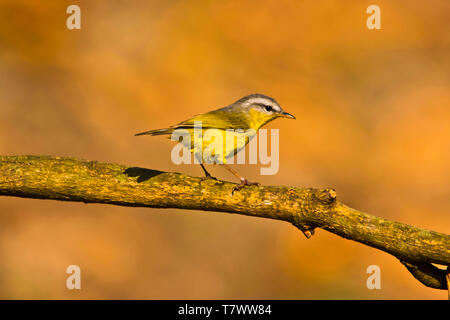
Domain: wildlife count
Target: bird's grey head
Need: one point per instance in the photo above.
(264, 104)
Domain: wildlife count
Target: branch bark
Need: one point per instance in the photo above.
(68, 179)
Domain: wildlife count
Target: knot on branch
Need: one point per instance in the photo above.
(326, 196)
(308, 230)
(318, 199)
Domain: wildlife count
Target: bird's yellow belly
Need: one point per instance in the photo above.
(217, 145)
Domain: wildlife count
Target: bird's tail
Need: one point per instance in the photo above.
(157, 132)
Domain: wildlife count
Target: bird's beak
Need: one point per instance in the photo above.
(287, 115)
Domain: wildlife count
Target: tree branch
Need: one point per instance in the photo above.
(67, 179)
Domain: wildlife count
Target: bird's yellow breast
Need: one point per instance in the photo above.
(216, 145)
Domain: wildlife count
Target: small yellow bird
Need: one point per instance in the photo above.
(241, 120)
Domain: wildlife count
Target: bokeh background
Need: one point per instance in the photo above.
(372, 107)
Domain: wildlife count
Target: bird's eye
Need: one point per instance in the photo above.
(268, 108)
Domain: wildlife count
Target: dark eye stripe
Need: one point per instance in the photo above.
(265, 106)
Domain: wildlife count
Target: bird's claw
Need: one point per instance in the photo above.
(244, 183)
(209, 177)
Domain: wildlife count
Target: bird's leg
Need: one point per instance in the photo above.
(244, 182)
(207, 174)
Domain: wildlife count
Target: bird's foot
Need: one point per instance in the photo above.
(244, 182)
(208, 176)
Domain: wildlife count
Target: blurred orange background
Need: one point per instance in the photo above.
(372, 112)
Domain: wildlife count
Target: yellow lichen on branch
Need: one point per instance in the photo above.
(68, 179)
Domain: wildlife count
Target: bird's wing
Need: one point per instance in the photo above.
(218, 119)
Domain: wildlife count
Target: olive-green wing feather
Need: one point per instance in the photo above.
(224, 118)
(219, 119)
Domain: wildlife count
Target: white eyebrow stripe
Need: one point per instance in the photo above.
(264, 101)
